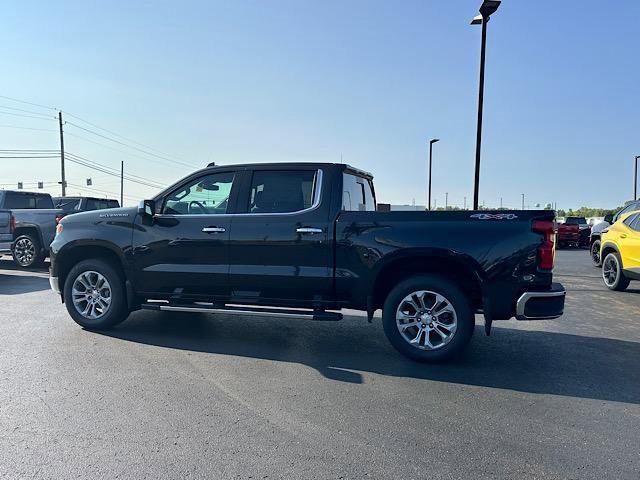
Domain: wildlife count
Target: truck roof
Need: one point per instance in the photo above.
(341, 166)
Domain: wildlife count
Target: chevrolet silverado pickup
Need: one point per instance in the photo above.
(305, 240)
(32, 226)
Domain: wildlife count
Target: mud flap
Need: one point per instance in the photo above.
(370, 309)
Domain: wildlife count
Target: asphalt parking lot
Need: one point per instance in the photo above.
(184, 396)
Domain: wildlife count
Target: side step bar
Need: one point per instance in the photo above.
(317, 315)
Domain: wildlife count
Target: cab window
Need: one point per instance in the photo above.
(357, 194)
(208, 195)
(281, 191)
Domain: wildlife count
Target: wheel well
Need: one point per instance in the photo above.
(67, 261)
(606, 251)
(454, 270)
(28, 231)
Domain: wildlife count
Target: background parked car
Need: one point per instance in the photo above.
(32, 225)
(596, 230)
(574, 231)
(71, 205)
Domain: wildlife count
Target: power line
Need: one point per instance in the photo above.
(117, 134)
(26, 116)
(127, 145)
(129, 154)
(21, 110)
(81, 158)
(27, 103)
(28, 128)
(108, 171)
(30, 156)
(88, 189)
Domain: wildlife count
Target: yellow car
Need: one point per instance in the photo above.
(620, 252)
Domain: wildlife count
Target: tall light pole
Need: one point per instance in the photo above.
(465, 203)
(487, 8)
(431, 142)
(635, 180)
(523, 201)
(446, 200)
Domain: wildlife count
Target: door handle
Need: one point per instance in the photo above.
(623, 235)
(214, 229)
(308, 230)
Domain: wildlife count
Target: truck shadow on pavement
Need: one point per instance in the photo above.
(18, 284)
(525, 361)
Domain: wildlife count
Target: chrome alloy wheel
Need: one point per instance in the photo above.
(426, 320)
(91, 295)
(24, 251)
(610, 270)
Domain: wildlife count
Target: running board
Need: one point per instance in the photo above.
(317, 315)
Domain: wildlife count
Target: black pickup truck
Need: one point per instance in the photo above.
(305, 239)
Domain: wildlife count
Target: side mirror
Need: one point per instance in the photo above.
(608, 218)
(147, 207)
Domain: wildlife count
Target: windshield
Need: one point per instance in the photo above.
(575, 220)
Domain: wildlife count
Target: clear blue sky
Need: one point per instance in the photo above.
(257, 81)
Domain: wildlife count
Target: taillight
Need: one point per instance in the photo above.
(546, 250)
(59, 217)
(12, 224)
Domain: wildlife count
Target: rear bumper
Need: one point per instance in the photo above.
(542, 305)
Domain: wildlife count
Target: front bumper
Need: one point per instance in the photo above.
(541, 305)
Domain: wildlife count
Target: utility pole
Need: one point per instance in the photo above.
(121, 181)
(635, 180)
(523, 201)
(500, 203)
(465, 203)
(63, 180)
(446, 200)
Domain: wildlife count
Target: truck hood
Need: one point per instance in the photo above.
(124, 213)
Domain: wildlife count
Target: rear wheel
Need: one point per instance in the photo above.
(26, 251)
(427, 318)
(595, 253)
(612, 274)
(95, 295)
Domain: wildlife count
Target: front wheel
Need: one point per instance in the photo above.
(427, 318)
(612, 274)
(95, 296)
(595, 253)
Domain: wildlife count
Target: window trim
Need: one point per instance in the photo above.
(316, 189)
(317, 197)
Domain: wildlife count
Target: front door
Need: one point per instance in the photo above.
(280, 247)
(183, 250)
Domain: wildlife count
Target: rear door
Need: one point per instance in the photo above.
(279, 246)
(183, 250)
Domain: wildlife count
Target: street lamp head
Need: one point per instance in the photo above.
(434, 140)
(489, 7)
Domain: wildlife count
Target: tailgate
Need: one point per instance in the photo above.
(5, 222)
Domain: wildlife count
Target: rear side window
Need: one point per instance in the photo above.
(636, 224)
(630, 220)
(281, 191)
(27, 201)
(95, 204)
(357, 194)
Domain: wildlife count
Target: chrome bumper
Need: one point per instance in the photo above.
(546, 305)
(55, 285)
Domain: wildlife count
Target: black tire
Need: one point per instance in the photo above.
(595, 253)
(612, 275)
(117, 310)
(454, 296)
(27, 252)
